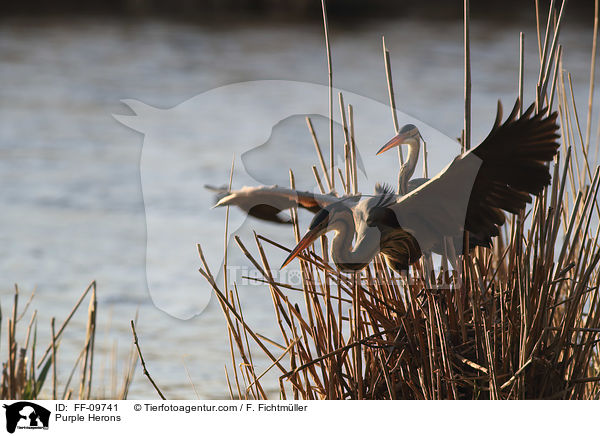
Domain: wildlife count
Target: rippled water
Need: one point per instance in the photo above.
(70, 191)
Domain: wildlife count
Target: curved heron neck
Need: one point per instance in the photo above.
(347, 257)
(408, 169)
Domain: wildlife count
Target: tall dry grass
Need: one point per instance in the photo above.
(29, 375)
(519, 321)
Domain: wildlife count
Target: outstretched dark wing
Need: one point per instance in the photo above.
(500, 174)
(266, 202)
(514, 157)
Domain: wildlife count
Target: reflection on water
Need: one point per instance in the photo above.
(71, 199)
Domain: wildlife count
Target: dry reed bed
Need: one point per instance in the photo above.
(519, 321)
(24, 374)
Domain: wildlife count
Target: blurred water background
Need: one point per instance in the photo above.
(70, 191)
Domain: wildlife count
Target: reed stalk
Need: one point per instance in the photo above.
(23, 379)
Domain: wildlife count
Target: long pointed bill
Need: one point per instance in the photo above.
(308, 239)
(394, 142)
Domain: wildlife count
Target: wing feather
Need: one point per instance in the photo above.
(266, 202)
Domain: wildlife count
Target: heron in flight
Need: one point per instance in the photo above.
(470, 194)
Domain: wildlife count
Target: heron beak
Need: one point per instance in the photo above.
(394, 142)
(308, 239)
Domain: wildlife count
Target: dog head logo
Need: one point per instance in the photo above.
(263, 124)
(26, 415)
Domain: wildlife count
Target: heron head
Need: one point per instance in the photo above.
(408, 133)
(327, 219)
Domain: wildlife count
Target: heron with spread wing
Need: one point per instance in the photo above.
(470, 194)
(267, 202)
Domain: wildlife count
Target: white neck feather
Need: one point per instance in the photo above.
(347, 257)
(408, 169)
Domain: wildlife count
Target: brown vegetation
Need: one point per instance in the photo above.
(519, 321)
